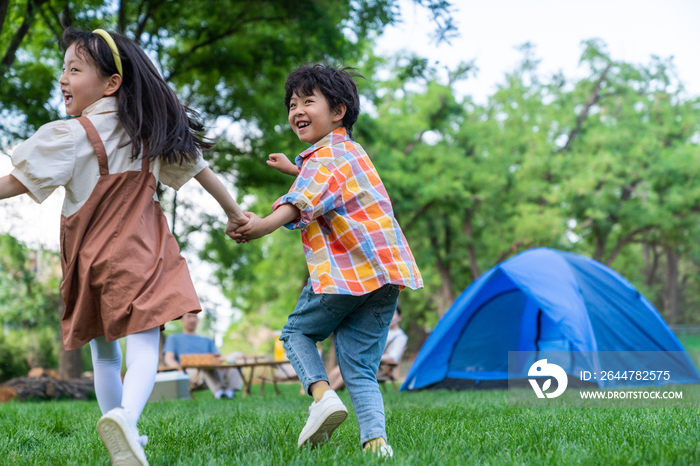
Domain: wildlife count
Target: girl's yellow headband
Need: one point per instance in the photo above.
(112, 45)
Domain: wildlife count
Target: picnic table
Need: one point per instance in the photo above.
(387, 374)
(240, 365)
(266, 363)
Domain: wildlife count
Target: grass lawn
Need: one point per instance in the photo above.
(424, 428)
(690, 341)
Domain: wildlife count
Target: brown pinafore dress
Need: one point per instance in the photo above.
(122, 268)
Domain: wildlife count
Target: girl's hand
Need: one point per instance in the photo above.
(280, 162)
(255, 228)
(258, 227)
(234, 223)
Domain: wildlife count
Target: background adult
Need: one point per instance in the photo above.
(222, 381)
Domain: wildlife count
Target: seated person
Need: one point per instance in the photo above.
(221, 381)
(395, 346)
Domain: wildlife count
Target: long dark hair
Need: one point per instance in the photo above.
(149, 110)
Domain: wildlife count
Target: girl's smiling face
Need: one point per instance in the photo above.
(312, 118)
(82, 84)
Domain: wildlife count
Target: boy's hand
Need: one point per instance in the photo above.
(254, 229)
(258, 227)
(281, 162)
(234, 223)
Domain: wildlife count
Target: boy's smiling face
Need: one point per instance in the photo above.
(312, 118)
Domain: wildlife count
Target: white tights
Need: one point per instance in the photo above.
(141, 367)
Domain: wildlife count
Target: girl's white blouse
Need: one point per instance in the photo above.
(60, 154)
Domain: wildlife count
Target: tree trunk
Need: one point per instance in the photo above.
(4, 4)
(11, 52)
(601, 239)
(445, 296)
(174, 213)
(671, 291)
(650, 264)
(121, 25)
(592, 99)
(69, 362)
(161, 343)
(471, 251)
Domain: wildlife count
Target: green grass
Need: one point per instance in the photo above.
(424, 428)
(690, 341)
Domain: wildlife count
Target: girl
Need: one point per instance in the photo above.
(123, 275)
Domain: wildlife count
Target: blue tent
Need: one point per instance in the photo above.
(541, 301)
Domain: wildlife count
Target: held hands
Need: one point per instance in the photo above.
(258, 227)
(255, 228)
(280, 162)
(234, 223)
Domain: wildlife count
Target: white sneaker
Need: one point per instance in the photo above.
(229, 393)
(385, 451)
(324, 417)
(218, 393)
(121, 437)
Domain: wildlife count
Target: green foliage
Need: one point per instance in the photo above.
(605, 166)
(28, 69)
(14, 360)
(227, 59)
(223, 58)
(26, 348)
(29, 308)
(29, 285)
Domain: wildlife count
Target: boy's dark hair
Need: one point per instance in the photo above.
(398, 310)
(336, 85)
(149, 110)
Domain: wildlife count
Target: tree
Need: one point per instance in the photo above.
(29, 299)
(29, 282)
(632, 169)
(604, 166)
(251, 49)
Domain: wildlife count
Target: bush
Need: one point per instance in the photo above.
(14, 357)
(23, 349)
(42, 347)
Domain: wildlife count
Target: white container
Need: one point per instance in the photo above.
(171, 385)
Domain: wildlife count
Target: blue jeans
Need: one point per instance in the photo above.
(360, 325)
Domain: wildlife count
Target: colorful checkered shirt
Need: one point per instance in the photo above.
(353, 243)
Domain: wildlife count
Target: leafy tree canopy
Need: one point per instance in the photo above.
(225, 58)
(606, 166)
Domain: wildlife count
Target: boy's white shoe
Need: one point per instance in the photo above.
(121, 437)
(382, 451)
(385, 451)
(324, 417)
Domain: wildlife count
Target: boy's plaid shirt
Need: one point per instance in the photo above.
(353, 243)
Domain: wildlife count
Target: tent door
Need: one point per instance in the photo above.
(551, 344)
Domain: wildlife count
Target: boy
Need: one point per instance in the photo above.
(357, 255)
(395, 346)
